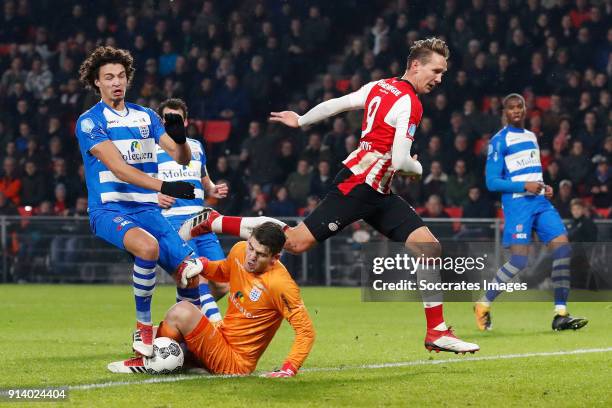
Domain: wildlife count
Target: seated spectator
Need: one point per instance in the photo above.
(34, 154)
(581, 227)
(334, 140)
(600, 183)
(60, 206)
(435, 209)
(282, 206)
(461, 150)
(458, 185)
(435, 182)
(553, 175)
(315, 151)
(577, 165)
(590, 135)
(255, 155)
(10, 183)
(311, 203)
(259, 207)
(34, 185)
(433, 152)
(563, 198)
(477, 205)
(321, 181)
(6, 206)
(232, 102)
(286, 161)
(298, 183)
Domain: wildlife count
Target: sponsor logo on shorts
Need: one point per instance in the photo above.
(123, 224)
(519, 236)
(117, 219)
(333, 227)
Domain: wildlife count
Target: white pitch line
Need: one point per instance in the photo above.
(178, 378)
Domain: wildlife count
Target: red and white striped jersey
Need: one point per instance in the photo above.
(390, 104)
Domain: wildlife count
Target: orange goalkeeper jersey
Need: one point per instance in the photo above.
(257, 306)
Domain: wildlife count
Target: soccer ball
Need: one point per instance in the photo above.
(167, 357)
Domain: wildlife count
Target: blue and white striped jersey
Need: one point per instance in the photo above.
(513, 159)
(135, 135)
(169, 170)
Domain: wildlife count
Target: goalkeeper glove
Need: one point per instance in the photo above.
(188, 271)
(287, 370)
(178, 189)
(175, 128)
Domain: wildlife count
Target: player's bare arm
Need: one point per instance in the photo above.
(214, 190)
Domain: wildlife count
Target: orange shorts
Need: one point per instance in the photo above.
(212, 349)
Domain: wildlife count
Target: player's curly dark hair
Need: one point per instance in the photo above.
(271, 235)
(175, 104)
(422, 49)
(90, 68)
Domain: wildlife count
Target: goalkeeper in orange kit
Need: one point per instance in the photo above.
(261, 294)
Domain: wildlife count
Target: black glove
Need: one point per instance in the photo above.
(178, 189)
(175, 128)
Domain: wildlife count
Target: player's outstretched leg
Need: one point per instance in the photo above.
(145, 249)
(299, 238)
(439, 336)
(209, 220)
(482, 308)
(561, 280)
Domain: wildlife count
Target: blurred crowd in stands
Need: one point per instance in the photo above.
(235, 61)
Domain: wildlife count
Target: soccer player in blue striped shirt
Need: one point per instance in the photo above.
(178, 210)
(118, 141)
(514, 169)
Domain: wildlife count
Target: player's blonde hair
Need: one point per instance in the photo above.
(421, 50)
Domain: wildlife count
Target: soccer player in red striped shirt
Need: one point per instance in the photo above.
(362, 187)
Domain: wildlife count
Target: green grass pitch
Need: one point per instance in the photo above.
(65, 335)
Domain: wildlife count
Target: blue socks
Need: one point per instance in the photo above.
(561, 277)
(505, 274)
(144, 284)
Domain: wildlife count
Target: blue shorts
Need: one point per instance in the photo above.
(112, 226)
(521, 220)
(206, 245)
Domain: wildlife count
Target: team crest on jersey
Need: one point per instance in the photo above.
(255, 294)
(87, 125)
(196, 156)
(144, 131)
